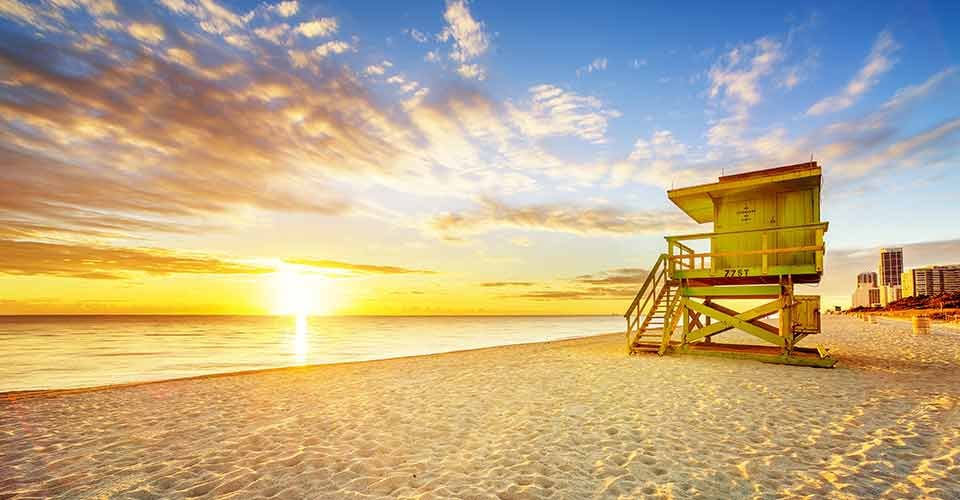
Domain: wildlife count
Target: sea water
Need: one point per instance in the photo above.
(57, 352)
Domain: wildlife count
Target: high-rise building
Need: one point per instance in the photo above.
(891, 266)
(869, 278)
(867, 293)
(931, 280)
(890, 273)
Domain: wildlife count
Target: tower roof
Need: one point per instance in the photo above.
(697, 201)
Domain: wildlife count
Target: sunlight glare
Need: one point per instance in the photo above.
(298, 293)
(301, 341)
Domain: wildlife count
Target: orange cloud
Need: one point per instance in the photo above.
(100, 262)
(356, 268)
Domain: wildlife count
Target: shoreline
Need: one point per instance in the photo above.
(10, 396)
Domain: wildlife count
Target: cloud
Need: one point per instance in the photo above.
(101, 262)
(655, 161)
(26, 14)
(322, 27)
(286, 9)
(333, 265)
(661, 146)
(145, 139)
(417, 35)
(736, 75)
(491, 215)
(904, 151)
(555, 111)
(613, 284)
(877, 63)
(273, 33)
(146, 32)
(332, 47)
(623, 276)
(470, 40)
(210, 15)
(638, 63)
(472, 71)
(598, 64)
(912, 93)
(499, 284)
(378, 69)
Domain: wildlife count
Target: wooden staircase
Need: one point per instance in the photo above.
(652, 316)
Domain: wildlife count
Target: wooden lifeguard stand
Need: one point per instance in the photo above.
(767, 238)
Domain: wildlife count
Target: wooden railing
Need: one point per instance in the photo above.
(681, 257)
(655, 276)
(641, 310)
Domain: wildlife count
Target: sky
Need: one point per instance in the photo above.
(431, 157)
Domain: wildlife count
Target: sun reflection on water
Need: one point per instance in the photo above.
(301, 340)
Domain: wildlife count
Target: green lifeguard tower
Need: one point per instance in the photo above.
(767, 237)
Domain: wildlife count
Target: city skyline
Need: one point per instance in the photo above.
(450, 157)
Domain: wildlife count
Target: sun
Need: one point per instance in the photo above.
(297, 293)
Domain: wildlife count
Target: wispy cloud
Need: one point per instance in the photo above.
(622, 276)
(287, 8)
(879, 61)
(499, 284)
(614, 284)
(102, 262)
(562, 217)
(469, 37)
(555, 111)
(598, 64)
(417, 35)
(325, 26)
(736, 76)
(334, 265)
(472, 71)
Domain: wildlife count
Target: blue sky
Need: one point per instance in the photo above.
(507, 142)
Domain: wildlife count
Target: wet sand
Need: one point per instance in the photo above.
(566, 419)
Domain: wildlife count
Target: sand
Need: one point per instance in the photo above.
(569, 419)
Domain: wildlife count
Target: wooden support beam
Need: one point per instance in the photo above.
(735, 322)
(824, 361)
(737, 291)
(819, 254)
(764, 245)
(749, 316)
(770, 328)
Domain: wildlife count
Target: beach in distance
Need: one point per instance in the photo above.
(563, 419)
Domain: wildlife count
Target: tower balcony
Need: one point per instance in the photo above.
(752, 256)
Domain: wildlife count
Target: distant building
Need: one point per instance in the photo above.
(867, 293)
(931, 280)
(891, 266)
(890, 274)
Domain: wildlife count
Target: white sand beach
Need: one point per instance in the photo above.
(566, 419)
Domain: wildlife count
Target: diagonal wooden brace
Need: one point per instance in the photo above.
(742, 321)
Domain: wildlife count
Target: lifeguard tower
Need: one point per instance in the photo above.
(767, 237)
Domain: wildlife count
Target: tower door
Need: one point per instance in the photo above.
(796, 208)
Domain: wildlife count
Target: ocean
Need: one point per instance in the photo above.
(60, 352)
